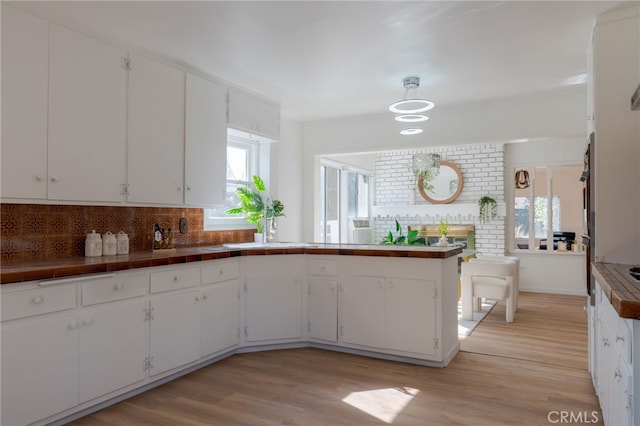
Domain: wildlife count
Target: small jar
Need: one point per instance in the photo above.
(109, 244)
(93, 245)
(122, 242)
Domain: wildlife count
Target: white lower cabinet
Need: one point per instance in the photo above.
(220, 317)
(39, 368)
(390, 313)
(273, 298)
(363, 311)
(411, 315)
(612, 367)
(175, 330)
(112, 347)
(322, 309)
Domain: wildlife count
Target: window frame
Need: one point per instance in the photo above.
(256, 151)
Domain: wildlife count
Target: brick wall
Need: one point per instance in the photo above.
(482, 168)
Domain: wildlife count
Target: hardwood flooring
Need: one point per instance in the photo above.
(524, 373)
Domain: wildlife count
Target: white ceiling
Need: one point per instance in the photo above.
(324, 59)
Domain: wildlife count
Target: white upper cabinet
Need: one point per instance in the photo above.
(24, 104)
(87, 104)
(205, 142)
(254, 115)
(155, 161)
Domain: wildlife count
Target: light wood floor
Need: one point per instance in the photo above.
(506, 374)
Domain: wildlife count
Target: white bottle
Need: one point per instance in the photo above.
(123, 242)
(93, 245)
(109, 244)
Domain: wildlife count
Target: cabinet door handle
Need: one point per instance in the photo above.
(619, 338)
(38, 299)
(198, 298)
(73, 325)
(87, 322)
(176, 278)
(617, 375)
(39, 178)
(118, 286)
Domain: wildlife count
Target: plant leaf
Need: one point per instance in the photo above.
(259, 183)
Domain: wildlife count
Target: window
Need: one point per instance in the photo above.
(344, 196)
(242, 164)
(550, 205)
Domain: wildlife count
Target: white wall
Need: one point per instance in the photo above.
(286, 172)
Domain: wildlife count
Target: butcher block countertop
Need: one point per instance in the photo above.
(622, 291)
(32, 271)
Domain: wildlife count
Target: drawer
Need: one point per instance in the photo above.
(322, 267)
(174, 279)
(113, 288)
(38, 301)
(220, 271)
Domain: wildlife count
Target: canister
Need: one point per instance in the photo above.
(122, 242)
(93, 245)
(109, 244)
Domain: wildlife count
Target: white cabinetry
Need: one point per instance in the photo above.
(613, 374)
(24, 104)
(155, 156)
(221, 306)
(322, 300)
(411, 315)
(246, 112)
(87, 101)
(205, 142)
(189, 321)
(362, 311)
(273, 295)
(175, 334)
(39, 368)
(113, 344)
(394, 305)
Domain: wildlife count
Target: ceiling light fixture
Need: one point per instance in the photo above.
(411, 131)
(411, 104)
(411, 118)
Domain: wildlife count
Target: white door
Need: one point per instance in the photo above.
(175, 330)
(322, 305)
(220, 317)
(205, 142)
(411, 315)
(25, 55)
(155, 161)
(363, 311)
(87, 116)
(39, 369)
(113, 347)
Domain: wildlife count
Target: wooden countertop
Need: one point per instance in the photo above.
(622, 292)
(32, 271)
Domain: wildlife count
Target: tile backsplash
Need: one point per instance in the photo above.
(41, 232)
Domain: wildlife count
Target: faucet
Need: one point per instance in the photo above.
(266, 220)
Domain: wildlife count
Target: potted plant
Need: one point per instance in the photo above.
(253, 207)
(488, 209)
(410, 239)
(443, 230)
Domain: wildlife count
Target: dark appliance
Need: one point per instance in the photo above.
(588, 196)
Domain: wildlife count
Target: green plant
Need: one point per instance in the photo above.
(488, 209)
(443, 228)
(427, 178)
(253, 206)
(410, 239)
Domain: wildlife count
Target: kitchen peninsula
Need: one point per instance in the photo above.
(83, 333)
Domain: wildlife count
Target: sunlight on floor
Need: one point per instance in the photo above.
(383, 404)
